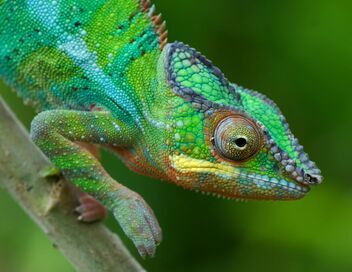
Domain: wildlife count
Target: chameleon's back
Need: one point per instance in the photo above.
(78, 54)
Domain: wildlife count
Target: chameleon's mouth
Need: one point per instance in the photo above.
(284, 184)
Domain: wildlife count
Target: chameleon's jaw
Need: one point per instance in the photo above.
(284, 188)
(230, 182)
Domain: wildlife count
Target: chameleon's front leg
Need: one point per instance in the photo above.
(55, 133)
(89, 209)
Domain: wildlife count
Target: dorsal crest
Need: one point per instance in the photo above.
(159, 24)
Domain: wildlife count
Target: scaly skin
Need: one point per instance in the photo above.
(101, 72)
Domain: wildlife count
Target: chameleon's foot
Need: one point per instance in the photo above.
(90, 210)
(137, 220)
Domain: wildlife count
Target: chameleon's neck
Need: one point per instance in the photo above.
(142, 77)
(153, 93)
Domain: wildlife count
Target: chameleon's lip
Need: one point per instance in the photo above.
(281, 183)
(287, 189)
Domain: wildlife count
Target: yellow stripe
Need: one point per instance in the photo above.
(185, 164)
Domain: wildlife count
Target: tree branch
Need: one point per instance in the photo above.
(89, 247)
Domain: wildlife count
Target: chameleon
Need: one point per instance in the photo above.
(101, 74)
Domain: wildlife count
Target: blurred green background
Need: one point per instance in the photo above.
(299, 53)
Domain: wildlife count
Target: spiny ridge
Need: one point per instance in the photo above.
(159, 25)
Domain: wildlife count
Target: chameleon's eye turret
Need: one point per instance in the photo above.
(237, 138)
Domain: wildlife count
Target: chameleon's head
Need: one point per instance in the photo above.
(229, 141)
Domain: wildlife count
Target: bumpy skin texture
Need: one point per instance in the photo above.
(101, 72)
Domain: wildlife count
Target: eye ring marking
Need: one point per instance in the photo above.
(237, 138)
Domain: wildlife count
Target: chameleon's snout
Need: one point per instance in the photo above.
(299, 168)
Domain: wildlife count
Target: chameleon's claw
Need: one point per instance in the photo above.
(137, 220)
(90, 210)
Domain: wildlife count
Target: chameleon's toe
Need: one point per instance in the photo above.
(90, 209)
(137, 220)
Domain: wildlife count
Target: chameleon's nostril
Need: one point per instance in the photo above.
(313, 179)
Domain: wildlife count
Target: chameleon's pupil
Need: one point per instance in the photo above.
(237, 138)
(241, 142)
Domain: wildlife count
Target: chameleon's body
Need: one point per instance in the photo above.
(101, 72)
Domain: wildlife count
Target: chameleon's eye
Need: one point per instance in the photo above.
(236, 138)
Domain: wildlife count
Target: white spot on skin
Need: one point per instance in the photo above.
(283, 182)
(152, 121)
(116, 126)
(179, 123)
(177, 137)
